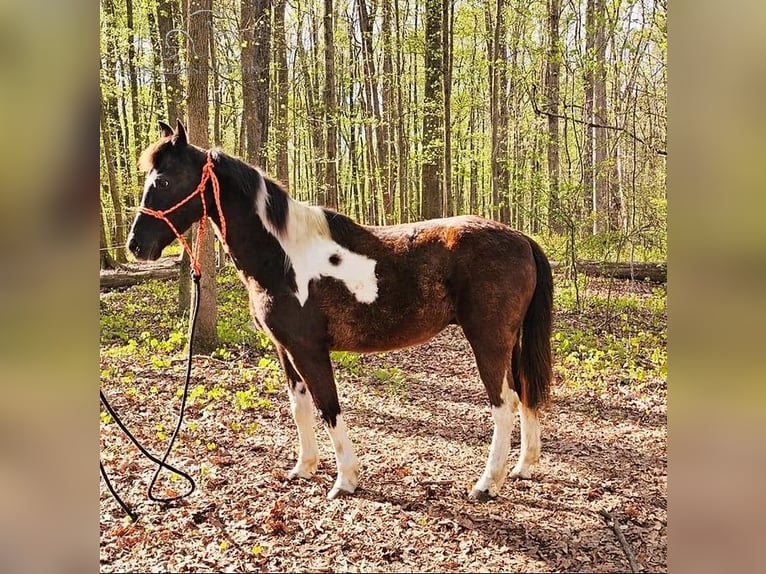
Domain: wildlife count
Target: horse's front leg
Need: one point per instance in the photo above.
(315, 369)
(303, 413)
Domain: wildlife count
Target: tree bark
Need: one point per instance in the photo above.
(255, 33)
(135, 112)
(399, 119)
(154, 36)
(114, 192)
(376, 153)
(447, 21)
(389, 118)
(206, 339)
(601, 201)
(168, 22)
(280, 131)
(106, 259)
(499, 102)
(330, 191)
(131, 274)
(552, 71)
(433, 113)
(653, 272)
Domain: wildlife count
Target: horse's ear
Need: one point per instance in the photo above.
(179, 138)
(166, 130)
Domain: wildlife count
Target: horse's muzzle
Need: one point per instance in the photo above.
(143, 252)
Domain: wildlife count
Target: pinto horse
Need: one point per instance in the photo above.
(317, 281)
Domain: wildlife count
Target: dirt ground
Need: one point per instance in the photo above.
(422, 438)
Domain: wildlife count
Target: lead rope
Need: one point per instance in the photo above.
(207, 174)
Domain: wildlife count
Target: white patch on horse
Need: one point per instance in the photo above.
(345, 458)
(496, 470)
(151, 176)
(530, 443)
(308, 245)
(303, 412)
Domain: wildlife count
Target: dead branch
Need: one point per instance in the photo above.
(621, 537)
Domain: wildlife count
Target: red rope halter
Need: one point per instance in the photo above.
(207, 174)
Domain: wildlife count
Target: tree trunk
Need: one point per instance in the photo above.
(433, 113)
(280, 116)
(499, 102)
(330, 191)
(106, 259)
(552, 71)
(377, 159)
(109, 94)
(168, 23)
(111, 170)
(400, 121)
(389, 118)
(154, 35)
(135, 113)
(206, 339)
(255, 33)
(601, 201)
(447, 21)
(217, 138)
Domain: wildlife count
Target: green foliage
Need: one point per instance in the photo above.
(612, 340)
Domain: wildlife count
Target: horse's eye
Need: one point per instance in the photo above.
(161, 183)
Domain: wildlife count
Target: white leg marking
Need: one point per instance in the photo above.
(303, 412)
(491, 481)
(345, 458)
(530, 443)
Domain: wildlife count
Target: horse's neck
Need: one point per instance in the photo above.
(254, 250)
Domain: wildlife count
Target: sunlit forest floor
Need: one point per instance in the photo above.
(420, 422)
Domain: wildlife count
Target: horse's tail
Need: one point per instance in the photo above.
(534, 360)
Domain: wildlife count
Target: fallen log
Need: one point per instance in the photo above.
(654, 272)
(130, 274)
(168, 268)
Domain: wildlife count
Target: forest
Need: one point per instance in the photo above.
(549, 116)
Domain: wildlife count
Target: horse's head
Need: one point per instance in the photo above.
(173, 169)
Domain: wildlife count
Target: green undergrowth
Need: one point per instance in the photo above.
(610, 335)
(606, 336)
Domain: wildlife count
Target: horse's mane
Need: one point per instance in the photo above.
(269, 198)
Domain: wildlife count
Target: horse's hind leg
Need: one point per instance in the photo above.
(530, 442)
(316, 370)
(302, 408)
(493, 361)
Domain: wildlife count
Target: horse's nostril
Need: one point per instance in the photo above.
(133, 245)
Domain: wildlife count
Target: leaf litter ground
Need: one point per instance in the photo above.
(420, 421)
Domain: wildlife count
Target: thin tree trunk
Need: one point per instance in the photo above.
(255, 35)
(134, 105)
(111, 170)
(400, 123)
(377, 159)
(330, 191)
(602, 205)
(167, 22)
(106, 259)
(588, 168)
(499, 102)
(433, 113)
(280, 128)
(154, 36)
(552, 71)
(390, 120)
(447, 21)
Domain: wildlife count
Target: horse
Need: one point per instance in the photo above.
(317, 281)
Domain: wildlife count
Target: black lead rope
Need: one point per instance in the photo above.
(161, 463)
